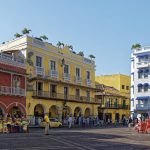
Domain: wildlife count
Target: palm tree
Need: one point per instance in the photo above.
(70, 47)
(92, 56)
(137, 45)
(58, 44)
(81, 53)
(26, 31)
(62, 44)
(17, 35)
(44, 37)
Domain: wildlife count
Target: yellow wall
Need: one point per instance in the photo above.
(116, 81)
(50, 52)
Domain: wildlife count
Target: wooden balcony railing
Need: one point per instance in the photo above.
(47, 94)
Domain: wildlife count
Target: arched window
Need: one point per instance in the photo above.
(146, 86)
(140, 86)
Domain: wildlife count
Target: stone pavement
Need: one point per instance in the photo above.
(76, 139)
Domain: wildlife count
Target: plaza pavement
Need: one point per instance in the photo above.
(76, 139)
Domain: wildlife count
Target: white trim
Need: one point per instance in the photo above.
(16, 104)
(3, 104)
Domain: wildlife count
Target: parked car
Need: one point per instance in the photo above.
(54, 123)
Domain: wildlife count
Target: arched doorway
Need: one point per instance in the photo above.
(66, 113)
(38, 114)
(1, 113)
(16, 112)
(117, 117)
(77, 112)
(87, 112)
(53, 112)
(38, 111)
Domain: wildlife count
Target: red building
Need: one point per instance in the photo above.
(12, 84)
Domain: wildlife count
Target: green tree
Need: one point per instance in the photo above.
(62, 44)
(58, 44)
(92, 56)
(81, 53)
(17, 35)
(44, 37)
(137, 45)
(70, 47)
(26, 31)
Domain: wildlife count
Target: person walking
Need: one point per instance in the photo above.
(70, 121)
(46, 118)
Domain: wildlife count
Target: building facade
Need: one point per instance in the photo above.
(12, 84)
(113, 105)
(140, 82)
(59, 81)
(118, 81)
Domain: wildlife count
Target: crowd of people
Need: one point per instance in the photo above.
(20, 124)
(14, 124)
(90, 121)
(81, 121)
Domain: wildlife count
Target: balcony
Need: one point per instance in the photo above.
(11, 60)
(119, 106)
(66, 77)
(60, 96)
(143, 107)
(143, 94)
(39, 71)
(53, 74)
(78, 80)
(5, 90)
(141, 50)
(144, 64)
(88, 82)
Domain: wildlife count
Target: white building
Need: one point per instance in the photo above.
(140, 82)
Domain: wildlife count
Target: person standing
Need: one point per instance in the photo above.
(70, 121)
(46, 118)
(108, 121)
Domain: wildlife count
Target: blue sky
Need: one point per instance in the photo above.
(104, 28)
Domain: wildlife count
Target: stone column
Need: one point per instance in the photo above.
(60, 109)
(113, 117)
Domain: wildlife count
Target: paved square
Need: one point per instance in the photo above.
(76, 139)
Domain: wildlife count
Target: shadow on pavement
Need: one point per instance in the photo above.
(71, 139)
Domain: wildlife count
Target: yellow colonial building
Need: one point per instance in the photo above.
(113, 105)
(116, 90)
(118, 81)
(59, 81)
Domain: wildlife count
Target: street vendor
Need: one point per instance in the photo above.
(25, 124)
